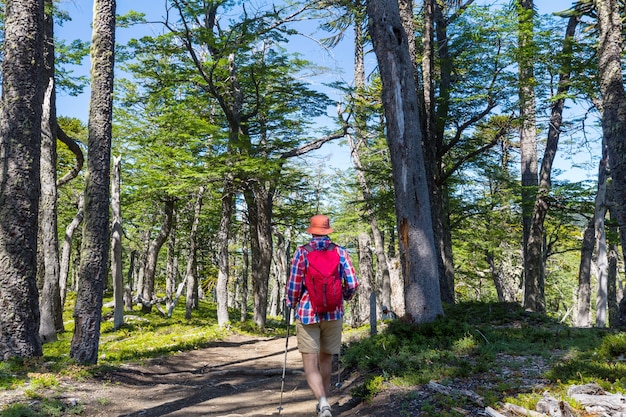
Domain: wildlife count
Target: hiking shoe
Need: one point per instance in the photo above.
(324, 411)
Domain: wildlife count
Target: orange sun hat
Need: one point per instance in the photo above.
(320, 225)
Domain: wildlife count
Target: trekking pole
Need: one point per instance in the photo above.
(282, 384)
(339, 384)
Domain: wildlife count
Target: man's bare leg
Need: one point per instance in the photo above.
(318, 370)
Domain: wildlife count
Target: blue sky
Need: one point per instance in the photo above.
(339, 60)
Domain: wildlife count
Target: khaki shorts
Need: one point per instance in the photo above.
(324, 336)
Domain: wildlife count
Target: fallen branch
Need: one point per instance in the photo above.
(490, 412)
(595, 399)
(471, 395)
(521, 411)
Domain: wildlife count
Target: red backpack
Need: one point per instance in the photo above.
(322, 279)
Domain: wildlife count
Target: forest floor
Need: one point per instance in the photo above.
(242, 376)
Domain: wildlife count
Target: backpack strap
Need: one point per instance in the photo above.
(309, 248)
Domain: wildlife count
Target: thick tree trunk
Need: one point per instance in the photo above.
(147, 294)
(20, 138)
(94, 257)
(418, 256)
(116, 246)
(610, 50)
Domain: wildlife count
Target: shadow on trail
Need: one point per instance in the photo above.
(244, 380)
(196, 398)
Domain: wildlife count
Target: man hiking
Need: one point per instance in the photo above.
(319, 270)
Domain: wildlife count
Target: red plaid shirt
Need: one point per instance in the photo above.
(296, 293)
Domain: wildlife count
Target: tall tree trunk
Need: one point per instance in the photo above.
(51, 320)
(94, 257)
(147, 293)
(264, 202)
(355, 148)
(418, 256)
(116, 246)
(223, 238)
(434, 151)
(600, 239)
(613, 259)
(191, 272)
(613, 103)
(66, 249)
(533, 278)
(20, 138)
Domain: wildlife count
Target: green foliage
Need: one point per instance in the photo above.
(19, 410)
(468, 341)
(366, 391)
(605, 364)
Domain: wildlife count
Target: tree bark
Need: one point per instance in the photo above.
(418, 256)
(601, 250)
(610, 50)
(264, 201)
(20, 139)
(533, 277)
(96, 234)
(613, 256)
(116, 246)
(51, 320)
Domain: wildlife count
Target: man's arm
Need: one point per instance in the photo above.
(293, 290)
(350, 280)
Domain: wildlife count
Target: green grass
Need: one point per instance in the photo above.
(468, 339)
(141, 337)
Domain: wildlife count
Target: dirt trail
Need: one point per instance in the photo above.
(240, 376)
